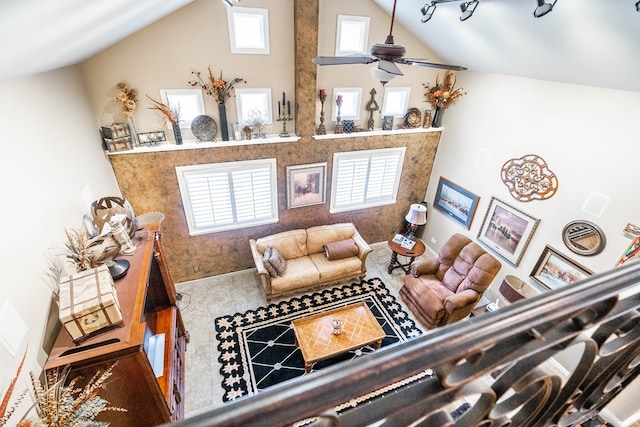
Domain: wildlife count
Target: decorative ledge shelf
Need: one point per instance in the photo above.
(376, 132)
(193, 144)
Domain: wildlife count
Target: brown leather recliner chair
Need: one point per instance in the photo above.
(443, 289)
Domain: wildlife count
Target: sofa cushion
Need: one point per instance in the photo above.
(331, 270)
(301, 272)
(341, 249)
(267, 262)
(277, 262)
(320, 235)
(291, 244)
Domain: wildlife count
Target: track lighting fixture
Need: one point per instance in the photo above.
(638, 6)
(427, 11)
(543, 8)
(467, 9)
(230, 2)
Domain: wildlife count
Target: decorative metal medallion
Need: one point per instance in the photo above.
(528, 178)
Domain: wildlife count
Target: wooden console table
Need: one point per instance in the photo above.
(147, 300)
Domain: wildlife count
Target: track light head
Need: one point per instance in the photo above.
(230, 2)
(543, 8)
(427, 11)
(467, 9)
(638, 6)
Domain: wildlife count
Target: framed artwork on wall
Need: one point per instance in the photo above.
(306, 185)
(507, 230)
(456, 202)
(554, 270)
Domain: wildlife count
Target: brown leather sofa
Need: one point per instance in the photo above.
(443, 289)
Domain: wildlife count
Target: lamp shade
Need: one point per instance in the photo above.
(417, 214)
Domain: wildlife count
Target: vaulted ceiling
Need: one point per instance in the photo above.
(589, 42)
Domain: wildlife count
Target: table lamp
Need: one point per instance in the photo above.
(417, 216)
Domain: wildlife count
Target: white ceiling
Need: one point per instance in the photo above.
(590, 42)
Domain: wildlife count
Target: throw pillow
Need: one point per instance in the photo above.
(341, 249)
(277, 262)
(267, 264)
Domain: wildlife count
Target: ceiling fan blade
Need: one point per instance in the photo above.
(344, 60)
(389, 67)
(421, 63)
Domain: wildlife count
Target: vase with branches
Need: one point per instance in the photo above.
(170, 115)
(442, 95)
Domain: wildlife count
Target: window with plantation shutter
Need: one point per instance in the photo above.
(225, 196)
(363, 179)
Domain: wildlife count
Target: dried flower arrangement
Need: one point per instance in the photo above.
(218, 88)
(5, 411)
(77, 249)
(58, 405)
(170, 114)
(128, 97)
(444, 93)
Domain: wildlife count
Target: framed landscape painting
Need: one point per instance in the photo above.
(554, 270)
(456, 202)
(507, 230)
(306, 185)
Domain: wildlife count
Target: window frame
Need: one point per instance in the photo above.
(362, 41)
(240, 94)
(400, 110)
(339, 157)
(353, 92)
(166, 94)
(262, 46)
(183, 173)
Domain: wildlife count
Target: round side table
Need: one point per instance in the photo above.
(417, 250)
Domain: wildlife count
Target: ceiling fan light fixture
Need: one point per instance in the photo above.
(543, 8)
(467, 9)
(427, 11)
(382, 76)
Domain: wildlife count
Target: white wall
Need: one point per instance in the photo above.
(588, 136)
(52, 162)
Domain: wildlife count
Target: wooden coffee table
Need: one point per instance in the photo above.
(316, 341)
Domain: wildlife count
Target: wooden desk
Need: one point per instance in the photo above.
(317, 342)
(417, 250)
(147, 300)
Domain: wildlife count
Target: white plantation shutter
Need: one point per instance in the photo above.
(365, 178)
(224, 196)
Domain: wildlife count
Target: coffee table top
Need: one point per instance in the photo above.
(317, 342)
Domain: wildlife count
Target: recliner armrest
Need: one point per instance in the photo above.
(424, 266)
(461, 299)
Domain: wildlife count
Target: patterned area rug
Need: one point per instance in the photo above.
(257, 348)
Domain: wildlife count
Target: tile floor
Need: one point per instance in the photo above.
(205, 299)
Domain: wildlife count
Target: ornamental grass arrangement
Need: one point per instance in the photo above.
(219, 88)
(128, 98)
(443, 94)
(58, 405)
(170, 114)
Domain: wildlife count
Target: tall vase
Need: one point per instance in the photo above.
(436, 121)
(224, 127)
(177, 133)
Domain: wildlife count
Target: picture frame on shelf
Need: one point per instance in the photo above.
(507, 230)
(456, 202)
(387, 123)
(554, 270)
(306, 185)
(151, 138)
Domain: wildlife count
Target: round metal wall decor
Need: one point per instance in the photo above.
(528, 178)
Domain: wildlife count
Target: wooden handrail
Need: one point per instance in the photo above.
(500, 362)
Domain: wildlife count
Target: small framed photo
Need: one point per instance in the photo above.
(151, 138)
(306, 185)
(554, 270)
(387, 123)
(507, 230)
(456, 202)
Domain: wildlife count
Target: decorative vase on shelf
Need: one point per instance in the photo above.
(177, 133)
(224, 127)
(436, 120)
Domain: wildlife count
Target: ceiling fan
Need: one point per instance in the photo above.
(387, 54)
